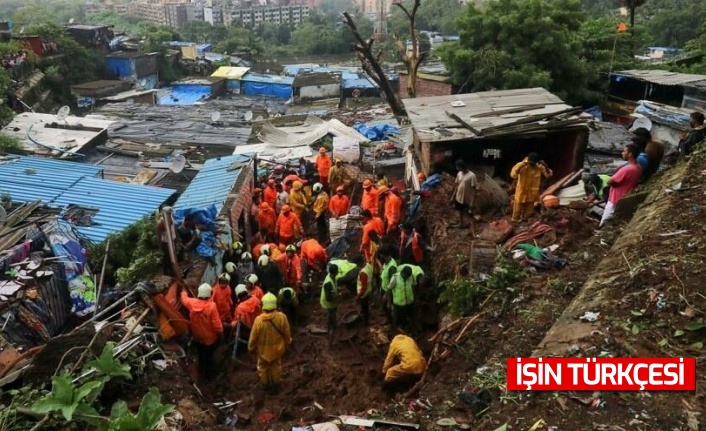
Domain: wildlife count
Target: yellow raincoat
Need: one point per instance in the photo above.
(321, 204)
(269, 338)
(529, 180)
(298, 202)
(409, 360)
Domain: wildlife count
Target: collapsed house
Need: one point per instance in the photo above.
(495, 130)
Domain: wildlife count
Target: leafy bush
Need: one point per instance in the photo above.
(10, 145)
(464, 295)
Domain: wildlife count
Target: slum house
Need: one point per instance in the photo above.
(493, 130)
(628, 87)
(191, 50)
(40, 289)
(267, 85)
(95, 37)
(134, 67)
(221, 195)
(190, 91)
(49, 135)
(33, 42)
(433, 79)
(87, 93)
(232, 75)
(316, 85)
(135, 97)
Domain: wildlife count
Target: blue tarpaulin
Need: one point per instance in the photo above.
(267, 89)
(208, 247)
(377, 132)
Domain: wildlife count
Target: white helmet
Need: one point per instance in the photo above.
(246, 256)
(224, 276)
(318, 187)
(240, 289)
(204, 291)
(265, 249)
(230, 267)
(263, 260)
(252, 279)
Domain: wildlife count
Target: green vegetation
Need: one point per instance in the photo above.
(132, 256)
(465, 295)
(10, 145)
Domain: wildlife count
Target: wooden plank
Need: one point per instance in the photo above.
(559, 184)
(533, 119)
(464, 123)
(509, 111)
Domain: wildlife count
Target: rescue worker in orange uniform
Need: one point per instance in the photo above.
(393, 209)
(404, 361)
(248, 308)
(339, 204)
(223, 297)
(371, 224)
(313, 255)
(288, 227)
(269, 339)
(323, 166)
(206, 326)
(370, 200)
(411, 248)
(291, 267)
(269, 194)
(267, 219)
(252, 283)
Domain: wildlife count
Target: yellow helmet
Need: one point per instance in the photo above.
(269, 302)
(237, 245)
(297, 185)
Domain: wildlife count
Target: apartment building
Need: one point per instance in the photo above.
(178, 14)
(213, 15)
(293, 14)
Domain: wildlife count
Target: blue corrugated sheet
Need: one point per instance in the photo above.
(119, 67)
(119, 204)
(267, 85)
(205, 47)
(212, 184)
(185, 95)
(350, 80)
(295, 69)
(60, 183)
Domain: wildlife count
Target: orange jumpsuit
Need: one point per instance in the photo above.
(370, 201)
(223, 299)
(393, 211)
(205, 321)
(323, 165)
(270, 196)
(312, 252)
(374, 224)
(291, 268)
(247, 311)
(267, 218)
(339, 205)
(289, 228)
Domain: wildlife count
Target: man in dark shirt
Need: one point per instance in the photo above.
(695, 136)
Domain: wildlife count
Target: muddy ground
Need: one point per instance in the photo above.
(657, 291)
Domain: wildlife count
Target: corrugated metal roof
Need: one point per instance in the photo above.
(481, 110)
(662, 77)
(184, 95)
(268, 79)
(59, 183)
(356, 80)
(229, 72)
(316, 78)
(212, 184)
(119, 204)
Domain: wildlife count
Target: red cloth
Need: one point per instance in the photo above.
(537, 229)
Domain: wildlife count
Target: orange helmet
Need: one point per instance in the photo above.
(550, 201)
(286, 208)
(421, 176)
(367, 183)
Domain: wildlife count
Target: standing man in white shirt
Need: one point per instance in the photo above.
(463, 196)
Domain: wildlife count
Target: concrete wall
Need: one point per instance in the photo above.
(426, 87)
(320, 91)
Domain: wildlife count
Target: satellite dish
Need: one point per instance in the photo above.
(71, 21)
(248, 116)
(178, 164)
(64, 112)
(643, 123)
(3, 216)
(215, 116)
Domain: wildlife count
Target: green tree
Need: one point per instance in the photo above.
(438, 15)
(167, 67)
(521, 43)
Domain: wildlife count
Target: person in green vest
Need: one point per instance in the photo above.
(329, 302)
(364, 286)
(597, 188)
(345, 273)
(288, 302)
(401, 289)
(389, 267)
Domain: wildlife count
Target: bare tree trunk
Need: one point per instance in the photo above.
(413, 59)
(371, 65)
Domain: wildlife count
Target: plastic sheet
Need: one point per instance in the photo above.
(377, 132)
